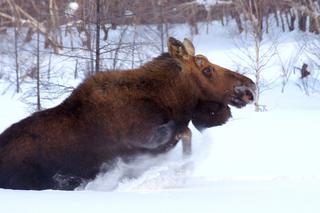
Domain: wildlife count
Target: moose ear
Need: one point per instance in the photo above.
(177, 49)
(189, 46)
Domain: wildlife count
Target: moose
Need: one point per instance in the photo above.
(120, 114)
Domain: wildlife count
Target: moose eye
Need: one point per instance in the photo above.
(207, 71)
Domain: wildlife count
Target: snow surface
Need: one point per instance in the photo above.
(257, 162)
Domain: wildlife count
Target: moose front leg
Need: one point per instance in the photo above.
(185, 136)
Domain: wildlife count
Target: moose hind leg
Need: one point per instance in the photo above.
(26, 179)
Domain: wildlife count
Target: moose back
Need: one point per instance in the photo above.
(120, 114)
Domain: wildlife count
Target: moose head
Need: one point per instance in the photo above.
(213, 82)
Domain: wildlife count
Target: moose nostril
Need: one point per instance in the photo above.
(249, 95)
(245, 93)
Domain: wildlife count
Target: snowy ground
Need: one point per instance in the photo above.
(257, 162)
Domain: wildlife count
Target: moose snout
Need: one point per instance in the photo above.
(244, 90)
(246, 93)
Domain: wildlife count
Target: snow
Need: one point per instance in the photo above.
(73, 5)
(212, 196)
(257, 162)
(210, 2)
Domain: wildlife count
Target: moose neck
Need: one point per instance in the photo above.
(177, 91)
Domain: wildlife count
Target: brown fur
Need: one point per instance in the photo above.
(113, 114)
(210, 114)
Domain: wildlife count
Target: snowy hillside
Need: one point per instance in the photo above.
(257, 162)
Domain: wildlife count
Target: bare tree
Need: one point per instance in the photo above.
(289, 64)
(38, 71)
(98, 27)
(307, 10)
(309, 81)
(259, 56)
(26, 14)
(16, 54)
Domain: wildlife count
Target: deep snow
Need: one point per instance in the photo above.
(257, 162)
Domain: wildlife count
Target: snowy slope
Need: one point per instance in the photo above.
(257, 162)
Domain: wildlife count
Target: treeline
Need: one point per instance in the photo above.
(47, 16)
(96, 35)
